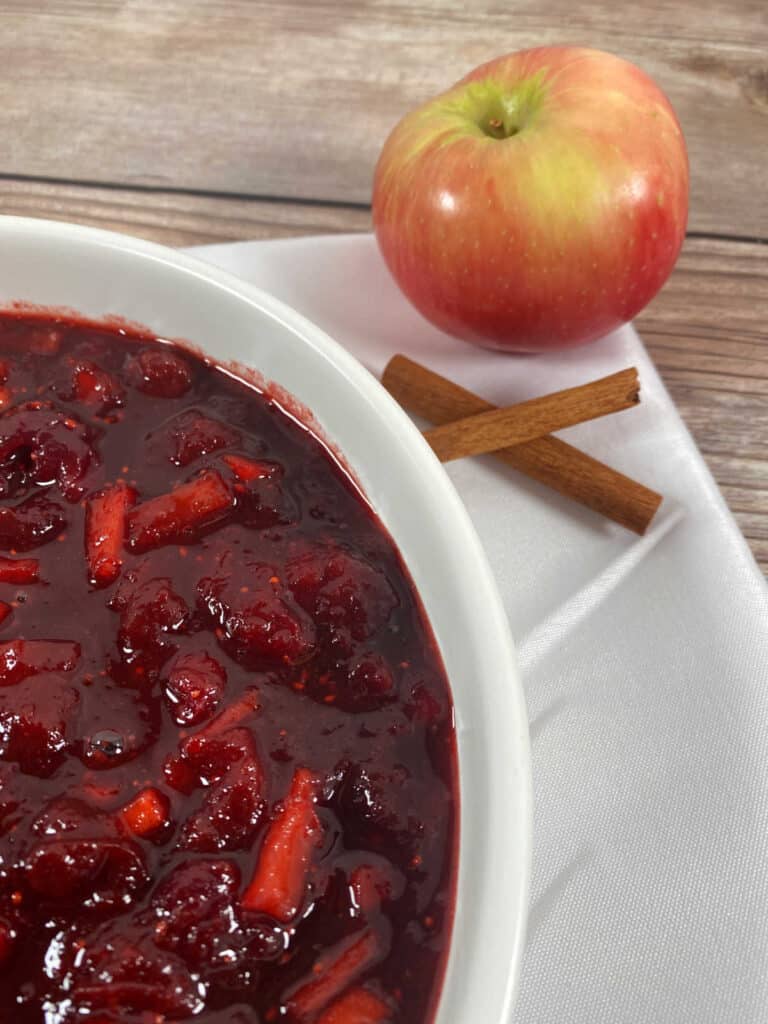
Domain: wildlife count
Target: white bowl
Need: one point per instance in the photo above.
(99, 273)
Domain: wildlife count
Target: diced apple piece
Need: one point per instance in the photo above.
(231, 716)
(147, 812)
(334, 972)
(181, 515)
(105, 516)
(372, 884)
(279, 883)
(357, 1007)
(19, 571)
(247, 470)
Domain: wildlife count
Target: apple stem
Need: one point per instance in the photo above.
(496, 129)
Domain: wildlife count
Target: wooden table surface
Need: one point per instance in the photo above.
(190, 121)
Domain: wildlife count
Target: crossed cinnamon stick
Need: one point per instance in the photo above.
(519, 435)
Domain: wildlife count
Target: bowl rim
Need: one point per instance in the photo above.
(510, 739)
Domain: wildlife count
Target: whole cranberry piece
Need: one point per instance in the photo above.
(31, 523)
(192, 434)
(151, 613)
(159, 372)
(341, 591)
(368, 685)
(194, 687)
(258, 618)
(34, 722)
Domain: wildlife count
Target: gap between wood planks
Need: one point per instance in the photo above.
(331, 204)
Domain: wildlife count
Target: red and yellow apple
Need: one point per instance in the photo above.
(539, 203)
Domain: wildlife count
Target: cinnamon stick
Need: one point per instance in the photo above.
(515, 424)
(548, 460)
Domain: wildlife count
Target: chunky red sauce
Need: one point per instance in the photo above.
(227, 758)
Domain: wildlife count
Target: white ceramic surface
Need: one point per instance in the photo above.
(100, 273)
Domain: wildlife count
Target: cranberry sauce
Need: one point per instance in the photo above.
(227, 759)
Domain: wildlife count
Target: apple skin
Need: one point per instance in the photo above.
(539, 203)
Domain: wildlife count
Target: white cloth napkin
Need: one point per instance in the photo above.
(645, 665)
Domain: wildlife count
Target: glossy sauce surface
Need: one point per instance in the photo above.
(227, 758)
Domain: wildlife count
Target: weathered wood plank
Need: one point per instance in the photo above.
(707, 334)
(293, 99)
(176, 218)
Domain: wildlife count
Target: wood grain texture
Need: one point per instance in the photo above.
(176, 218)
(294, 98)
(706, 330)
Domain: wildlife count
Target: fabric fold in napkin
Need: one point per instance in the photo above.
(645, 665)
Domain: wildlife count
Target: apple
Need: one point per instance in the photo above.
(539, 203)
